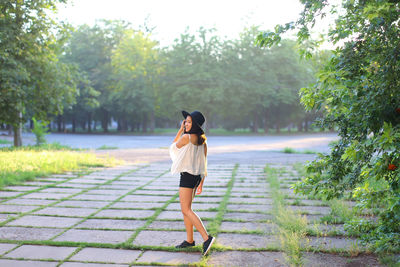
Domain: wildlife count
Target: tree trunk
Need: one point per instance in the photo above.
(124, 125)
(73, 124)
(89, 121)
(152, 122)
(305, 125)
(119, 125)
(266, 128)
(17, 131)
(59, 121)
(9, 129)
(300, 126)
(255, 123)
(144, 124)
(104, 121)
(31, 124)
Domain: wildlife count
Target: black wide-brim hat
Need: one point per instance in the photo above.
(197, 118)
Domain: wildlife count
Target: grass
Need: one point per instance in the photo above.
(292, 227)
(340, 212)
(290, 150)
(20, 164)
(105, 147)
(5, 142)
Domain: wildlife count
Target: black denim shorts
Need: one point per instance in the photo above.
(189, 180)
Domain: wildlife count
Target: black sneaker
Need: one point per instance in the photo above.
(207, 244)
(185, 244)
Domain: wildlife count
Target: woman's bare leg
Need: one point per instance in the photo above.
(189, 229)
(185, 197)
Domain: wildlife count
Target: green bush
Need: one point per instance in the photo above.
(40, 131)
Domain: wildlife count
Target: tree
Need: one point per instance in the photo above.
(31, 77)
(90, 49)
(135, 71)
(358, 91)
(191, 77)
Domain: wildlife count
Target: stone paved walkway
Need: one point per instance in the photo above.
(129, 215)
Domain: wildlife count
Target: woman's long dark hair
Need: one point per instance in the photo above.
(197, 131)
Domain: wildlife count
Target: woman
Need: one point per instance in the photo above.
(189, 158)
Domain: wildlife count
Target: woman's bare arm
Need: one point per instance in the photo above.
(200, 187)
(180, 131)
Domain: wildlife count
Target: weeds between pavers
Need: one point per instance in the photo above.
(292, 228)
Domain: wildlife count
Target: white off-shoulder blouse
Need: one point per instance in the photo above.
(189, 158)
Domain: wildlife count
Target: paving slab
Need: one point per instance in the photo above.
(206, 193)
(73, 185)
(248, 226)
(24, 233)
(163, 238)
(92, 182)
(95, 197)
(111, 224)
(157, 192)
(311, 209)
(246, 216)
(247, 258)
(62, 190)
(153, 186)
(46, 195)
(323, 260)
(247, 240)
(22, 263)
(6, 216)
(244, 207)
(16, 208)
(106, 255)
(82, 264)
(95, 236)
(170, 258)
(6, 194)
(142, 198)
(44, 221)
(195, 206)
(137, 205)
(33, 252)
(21, 188)
(333, 242)
(178, 215)
(248, 200)
(249, 195)
(4, 247)
(82, 204)
(134, 214)
(38, 183)
(207, 199)
(112, 192)
(173, 225)
(249, 189)
(78, 212)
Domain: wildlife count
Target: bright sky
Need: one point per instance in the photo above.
(171, 17)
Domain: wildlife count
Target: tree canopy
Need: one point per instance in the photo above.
(32, 78)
